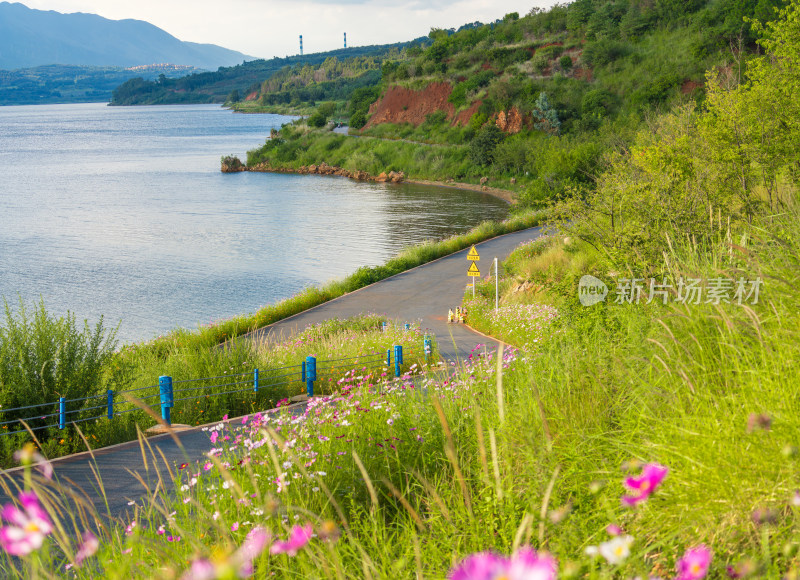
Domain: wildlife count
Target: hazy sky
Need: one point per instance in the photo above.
(267, 28)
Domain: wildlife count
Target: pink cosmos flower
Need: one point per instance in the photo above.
(298, 538)
(208, 466)
(28, 526)
(88, 548)
(525, 564)
(694, 564)
(214, 436)
(244, 419)
(201, 569)
(644, 485)
(235, 526)
(255, 543)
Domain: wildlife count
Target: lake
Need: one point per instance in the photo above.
(123, 212)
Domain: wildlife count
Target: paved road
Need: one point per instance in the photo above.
(423, 294)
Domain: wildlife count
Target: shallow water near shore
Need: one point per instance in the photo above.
(123, 212)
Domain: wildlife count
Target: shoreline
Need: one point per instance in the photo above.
(392, 177)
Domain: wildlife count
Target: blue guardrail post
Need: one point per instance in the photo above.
(389, 357)
(255, 381)
(398, 359)
(408, 326)
(110, 403)
(426, 343)
(62, 411)
(165, 389)
(310, 374)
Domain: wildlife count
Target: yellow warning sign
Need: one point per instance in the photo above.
(473, 255)
(473, 270)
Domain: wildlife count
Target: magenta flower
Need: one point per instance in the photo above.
(88, 548)
(28, 526)
(298, 538)
(214, 436)
(201, 569)
(694, 564)
(479, 566)
(644, 485)
(255, 543)
(525, 564)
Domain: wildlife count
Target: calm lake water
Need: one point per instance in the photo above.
(123, 212)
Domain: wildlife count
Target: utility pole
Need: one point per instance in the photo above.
(301, 45)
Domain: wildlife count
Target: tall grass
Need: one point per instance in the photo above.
(416, 475)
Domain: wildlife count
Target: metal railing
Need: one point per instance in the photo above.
(116, 403)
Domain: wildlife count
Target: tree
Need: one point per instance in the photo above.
(483, 146)
(545, 117)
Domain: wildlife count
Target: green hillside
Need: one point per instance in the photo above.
(578, 81)
(244, 79)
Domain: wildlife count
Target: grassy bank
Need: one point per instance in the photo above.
(298, 146)
(409, 258)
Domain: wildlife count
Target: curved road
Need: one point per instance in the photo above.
(423, 294)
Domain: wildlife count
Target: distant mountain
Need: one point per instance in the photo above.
(30, 38)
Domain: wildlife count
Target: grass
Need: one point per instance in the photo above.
(358, 342)
(402, 481)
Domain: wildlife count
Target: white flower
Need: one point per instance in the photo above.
(616, 549)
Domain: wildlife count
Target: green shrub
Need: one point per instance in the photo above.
(316, 120)
(43, 357)
(605, 51)
(482, 147)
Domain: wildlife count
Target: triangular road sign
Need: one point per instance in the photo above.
(473, 270)
(473, 255)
